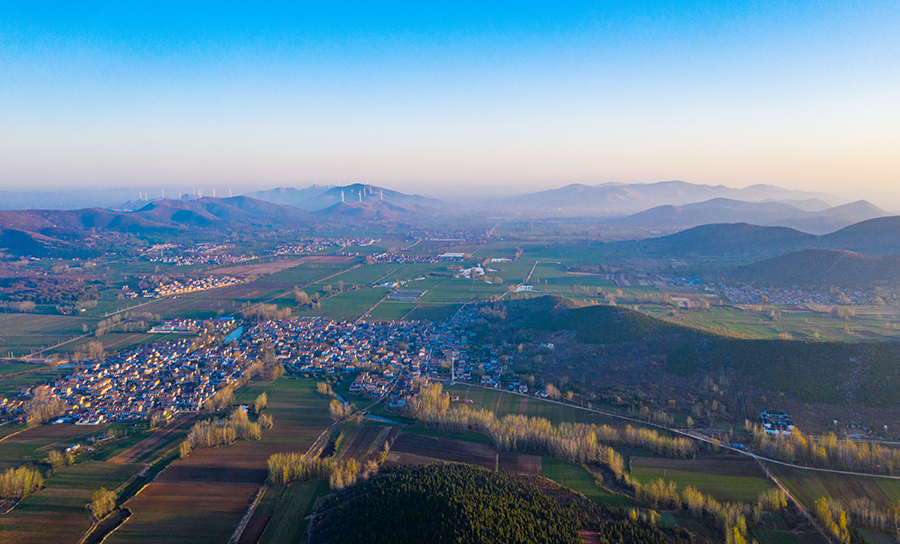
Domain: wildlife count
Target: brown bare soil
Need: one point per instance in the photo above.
(365, 443)
(185, 513)
(235, 471)
(327, 259)
(443, 449)
(518, 463)
(155, 440)
(259, 269)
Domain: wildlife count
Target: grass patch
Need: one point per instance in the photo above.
(289, 521)
(575, 477)
(723, 480)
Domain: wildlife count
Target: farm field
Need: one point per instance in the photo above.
(391, 311)
(800, 324)
(414, 448)
(11, 386)
(809, 485)
(364, 442)
(62, 501)
(520, 463)
(228, 477)
(424, 312)
(288, 522)
(35, 444)
(21, 333)
(732, 479)
(195, 512)
(577, 478)
(13, 368)
(112, 342)
(503, 403)
(349, 305)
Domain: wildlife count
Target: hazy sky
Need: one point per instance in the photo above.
(805, 94)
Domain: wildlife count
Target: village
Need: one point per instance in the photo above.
(165, 378)
(177, 288)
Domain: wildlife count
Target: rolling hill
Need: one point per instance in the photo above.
(37, 232)
(837, 373)
(744, 241)
(368, 211)
(821, 267)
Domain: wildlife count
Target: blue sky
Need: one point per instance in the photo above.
(457, 95)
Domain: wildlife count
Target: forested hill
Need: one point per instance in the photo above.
(461, 503)
(821, 268)
(831, 372)
(880, 236)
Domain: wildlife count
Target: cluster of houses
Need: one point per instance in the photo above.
(776, 422)
(162, 378)
(204, 253)
(180, 375)
(402, 258)
(314, 246)
(373, 385)
(751, 295)
(176, 287)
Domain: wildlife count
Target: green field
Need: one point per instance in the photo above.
(809, 485)
(575, 477)
(12, 368)
(288, 522)
(724, 480)
(57, 512)
(21, 333)
(503, 403)
(391, 311)
(349, 305)
(10, 387)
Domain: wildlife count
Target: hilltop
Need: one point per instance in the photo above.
(369, 211)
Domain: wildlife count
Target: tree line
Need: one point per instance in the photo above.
(572, 442)
(826, 452)
(17, 483)
(730, 517)
(836, 516)
(287, 468)
(212, 433)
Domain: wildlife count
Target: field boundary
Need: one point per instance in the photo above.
(249, 514)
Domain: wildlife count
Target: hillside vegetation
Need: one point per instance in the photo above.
(462, 503)
(821, 267)
(830, 372)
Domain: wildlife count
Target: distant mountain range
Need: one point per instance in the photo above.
(42, 232)
(37, 232)
(817, 217)
(621, 199)
(317, 197)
